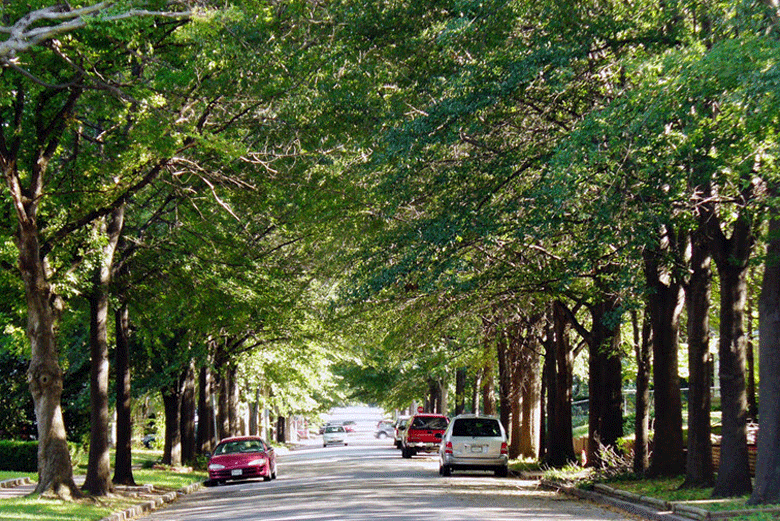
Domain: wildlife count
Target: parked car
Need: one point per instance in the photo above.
(473, 442)
(334, 434)
(384, 429)
(399, 427)
(242, 457)
(423, 434)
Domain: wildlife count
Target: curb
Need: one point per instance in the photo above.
(151, 505)
(658, 511)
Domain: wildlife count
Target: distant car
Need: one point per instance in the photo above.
(474, 442)
(348, 425)
(242, 457)
(384, 429)
(423, 434)
(398, 428)
(334, 434)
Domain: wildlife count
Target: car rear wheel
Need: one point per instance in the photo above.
(445, 470)
(502, 472)
(406, 452)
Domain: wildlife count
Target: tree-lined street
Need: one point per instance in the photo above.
(368, 479)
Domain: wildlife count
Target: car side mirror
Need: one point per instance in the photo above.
(207, 454)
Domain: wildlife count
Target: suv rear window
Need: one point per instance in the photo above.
(433, 423)
(476, 427)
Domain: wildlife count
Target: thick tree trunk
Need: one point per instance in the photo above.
(55, 471)
(460, 391)
(560, 445)
(123, 464)
(530, 420)
(605, 420)
(233, 401)
(665, 301)
(504, 381)
(223, 404)
(768, 464)
(172, 448)
(698, 466)
(644, 350)
(732, 258)
(188, 406)
(206, 441)
(488, 381)
(98, 479)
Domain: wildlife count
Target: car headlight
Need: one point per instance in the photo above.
(216, 466)
(254, 462)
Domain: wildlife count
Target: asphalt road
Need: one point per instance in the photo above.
(368, 480)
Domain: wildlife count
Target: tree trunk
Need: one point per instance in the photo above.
(698, 466)
(488, 383)
(504, 381)
(206, 433)
(529, 438)
(55, 471)
(188, 404)
(98, 479)
(233, 401)
(560, 445)
(172, 448)
(123, 463)
(223, 404)
(732, 258)
(665, 300)
(644, 350)
(768, 464)
(605, 419)
(460, 391)
(751, 361)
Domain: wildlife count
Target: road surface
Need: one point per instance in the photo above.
(368, 480)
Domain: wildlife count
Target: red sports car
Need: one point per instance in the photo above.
(242, 457)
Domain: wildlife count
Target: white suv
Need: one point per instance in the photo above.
(474, 442)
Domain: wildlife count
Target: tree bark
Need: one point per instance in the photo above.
(98, 479)
(188, 406)
(172, 448)
(460, 391)
(767, 488)
(206, 441)
(644, 350)
(605, 421)
(123, 463)
(504, 381)
(488, 384)
(529, 424)
(698, 466)
(731, 257)
(665, 301)
(560, 445)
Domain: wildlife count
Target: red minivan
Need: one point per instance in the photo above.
(423, 434)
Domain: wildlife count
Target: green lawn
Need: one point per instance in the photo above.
(89, 509)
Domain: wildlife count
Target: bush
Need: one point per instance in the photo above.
(19, 456)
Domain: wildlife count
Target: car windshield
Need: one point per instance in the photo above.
(234, 447)
(476, 427)
(422, 422)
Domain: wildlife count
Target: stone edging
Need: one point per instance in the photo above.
(153, 504)
(15, 482)
(675, 507)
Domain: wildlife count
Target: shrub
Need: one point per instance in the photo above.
(20, 456)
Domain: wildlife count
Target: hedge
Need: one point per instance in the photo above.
(19, 456)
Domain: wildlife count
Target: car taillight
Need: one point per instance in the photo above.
(504, 449)
(448, 448)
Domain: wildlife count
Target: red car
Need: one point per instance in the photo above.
(423, 434)
(242, 457)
